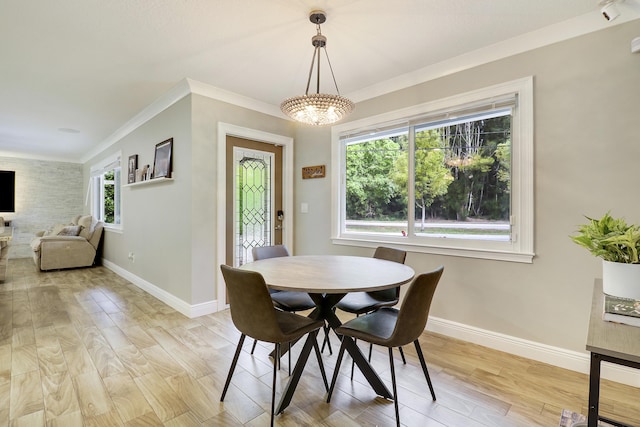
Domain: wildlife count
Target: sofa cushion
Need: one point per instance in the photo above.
(86, 222)
(70, 230)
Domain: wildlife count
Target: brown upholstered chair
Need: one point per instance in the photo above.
(284, 300)
(390, 327)
(254, 315)
(365, 302)
(290, 301)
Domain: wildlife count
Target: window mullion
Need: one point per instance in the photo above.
(411, 210)
(102, 184)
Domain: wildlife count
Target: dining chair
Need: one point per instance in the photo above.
(254, 315)
(359, 303)
(284, 300)
(390, 327)
(290, 301)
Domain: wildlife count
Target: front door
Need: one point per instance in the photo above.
(254, 213)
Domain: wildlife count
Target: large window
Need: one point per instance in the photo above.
(105, 188)
(452, 177)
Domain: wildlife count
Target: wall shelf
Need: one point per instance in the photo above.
(148, 182)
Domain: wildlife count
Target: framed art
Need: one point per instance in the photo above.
(133, 165)
(162, 160)
(310, 172)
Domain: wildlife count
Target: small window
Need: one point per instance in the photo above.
(451, 177)
(105, 192)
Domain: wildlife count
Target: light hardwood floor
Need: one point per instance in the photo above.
(86, 347)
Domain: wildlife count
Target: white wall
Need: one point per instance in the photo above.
(587, 105)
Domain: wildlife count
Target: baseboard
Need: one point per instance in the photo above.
(556, 356)
(171, 300)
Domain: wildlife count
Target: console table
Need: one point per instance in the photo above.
(6, 234)
(608, 342)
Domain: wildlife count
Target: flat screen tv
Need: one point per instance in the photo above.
(7, 191)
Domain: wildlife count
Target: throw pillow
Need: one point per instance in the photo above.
(55, 230)
(70, 230)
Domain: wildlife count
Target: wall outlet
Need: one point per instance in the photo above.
(132, 257)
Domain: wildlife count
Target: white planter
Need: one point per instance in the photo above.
(621, 280)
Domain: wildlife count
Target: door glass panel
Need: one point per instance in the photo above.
(253, 177)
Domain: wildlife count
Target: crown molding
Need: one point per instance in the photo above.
(40, 157)
(565, 30)
(561, 31)
(216, 93)
(183, 88)
(176, 93)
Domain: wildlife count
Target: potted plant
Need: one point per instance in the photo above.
(618, 244)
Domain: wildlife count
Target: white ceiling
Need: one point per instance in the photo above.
(92, 65)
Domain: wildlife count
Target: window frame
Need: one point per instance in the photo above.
(95, 195)
(520, 248)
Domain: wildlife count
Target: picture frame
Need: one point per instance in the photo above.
(163, 159)
(133, 165)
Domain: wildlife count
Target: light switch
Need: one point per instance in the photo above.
(304, 208)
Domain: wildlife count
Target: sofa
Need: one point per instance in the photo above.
(68, 245)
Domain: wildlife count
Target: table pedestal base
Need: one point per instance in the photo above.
(324, 310)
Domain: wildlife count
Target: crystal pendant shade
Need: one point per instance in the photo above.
(318, 108)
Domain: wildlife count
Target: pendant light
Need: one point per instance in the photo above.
(318, 108)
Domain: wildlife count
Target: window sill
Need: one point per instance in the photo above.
(401, 243)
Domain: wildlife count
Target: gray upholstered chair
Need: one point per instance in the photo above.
(254, 315)
(390, 327)
(365, 302)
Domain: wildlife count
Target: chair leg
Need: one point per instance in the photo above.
(370, 350)
(353, 362)
(233, 366)
(273, 386)
(402, 355)
(335, 372)
(395, 388)
(289, 352)
(319, 356)
(253, 347)
(424, 368)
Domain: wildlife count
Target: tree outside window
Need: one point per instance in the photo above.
(460, 181)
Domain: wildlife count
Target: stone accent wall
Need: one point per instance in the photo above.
(47, 193)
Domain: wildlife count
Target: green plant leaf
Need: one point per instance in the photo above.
(611, 239)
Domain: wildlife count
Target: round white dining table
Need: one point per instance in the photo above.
(328, 278)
